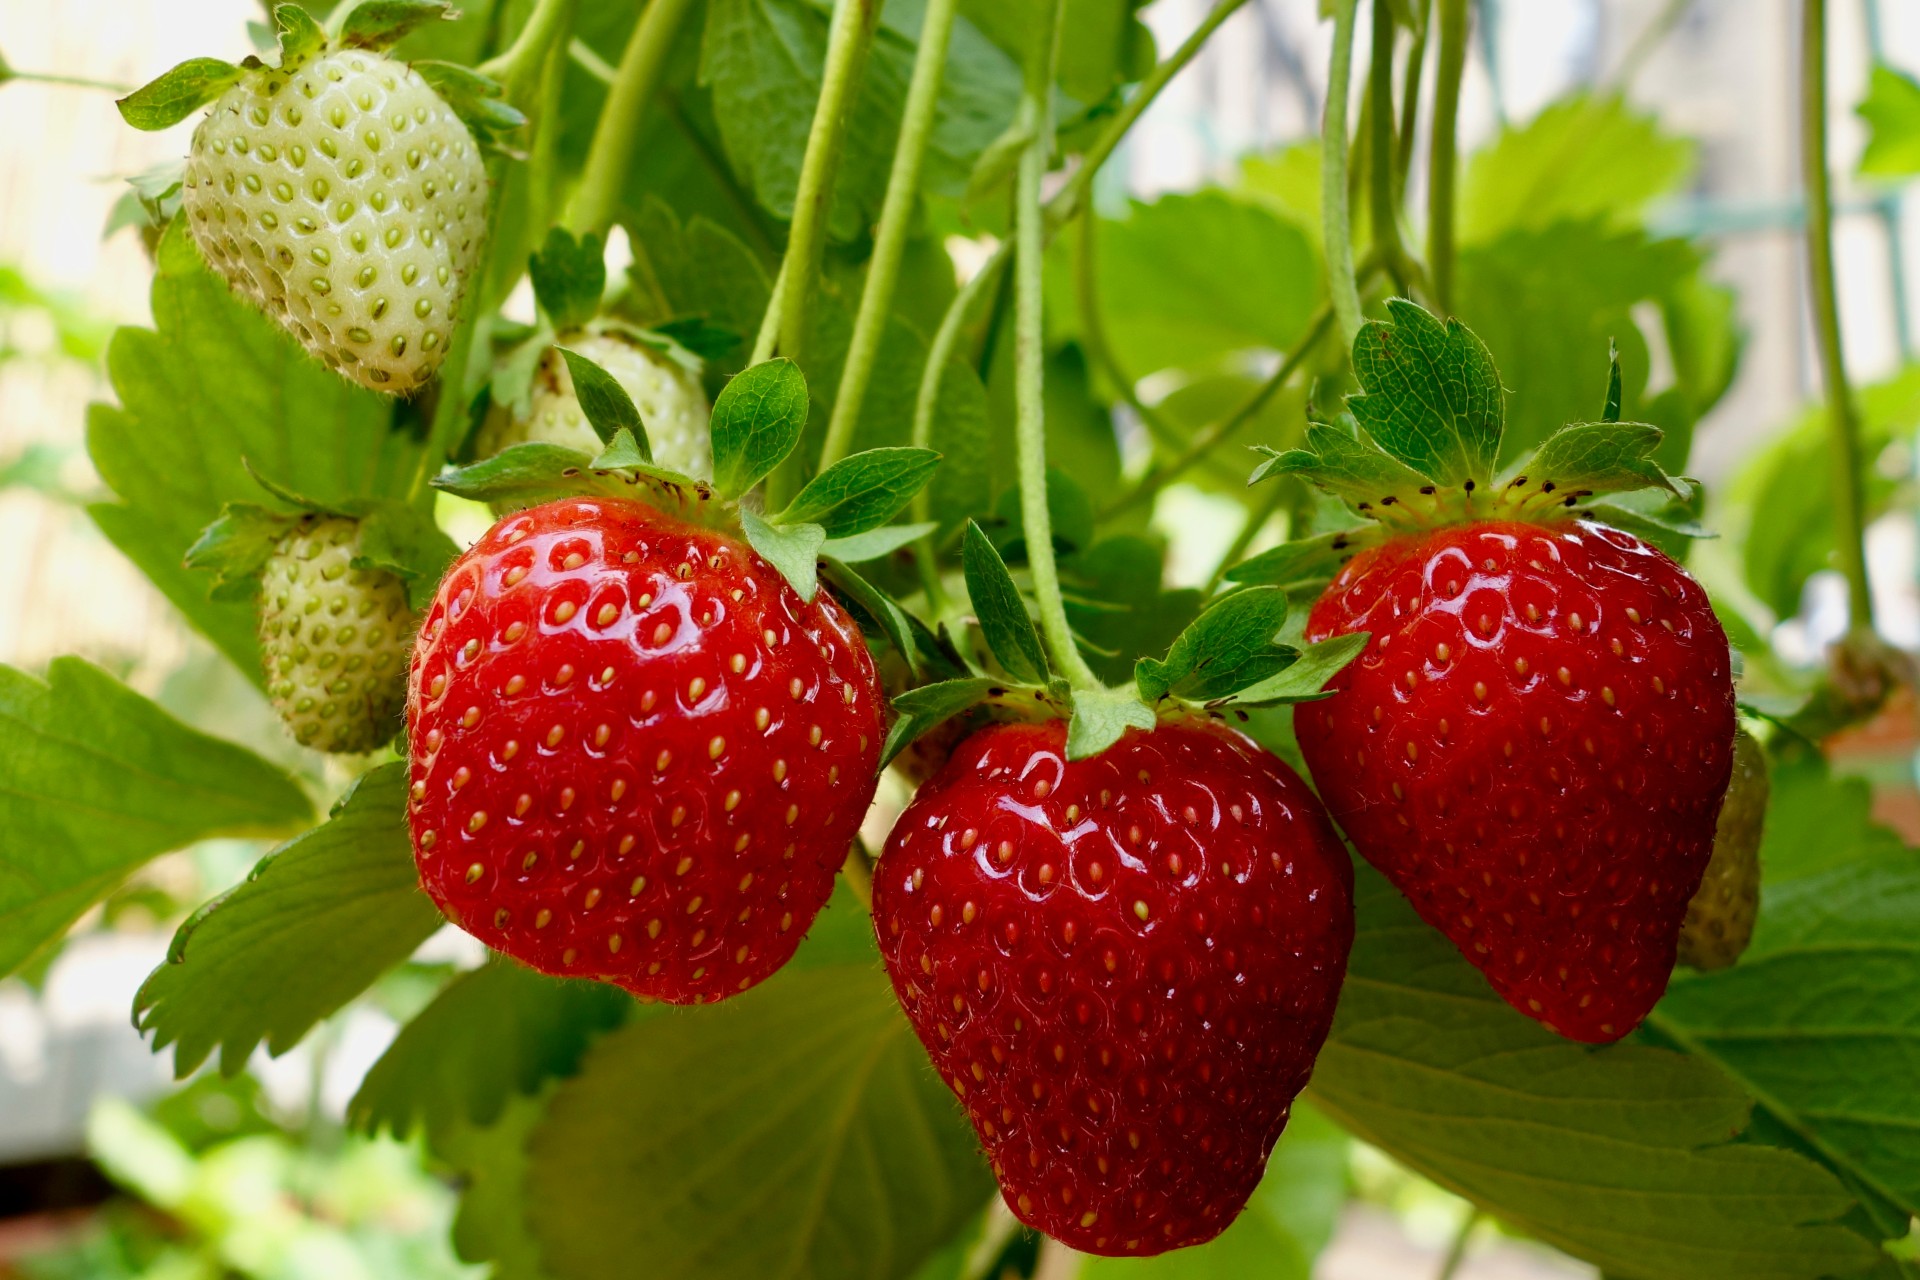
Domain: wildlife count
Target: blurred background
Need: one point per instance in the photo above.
(109, 1168)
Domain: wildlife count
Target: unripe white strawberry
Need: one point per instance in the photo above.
(342, 196)
(673, 406)
(1721, 915)
(334, 639)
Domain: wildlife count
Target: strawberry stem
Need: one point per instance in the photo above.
(517, 65)
(1383, 201)
(642, 66)
(1029, 374)
(890, 239)
(1336, 222)
(1843, 423)
(849, 38)
(1442, 152)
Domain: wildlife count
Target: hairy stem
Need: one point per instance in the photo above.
(1442, 154)
(1336, 222)
(1843, 425)
(1029, 345)
(522, 61)
(641, 69)
(896, 218)
(1410, 101)
(849, 38)
(1383, 198)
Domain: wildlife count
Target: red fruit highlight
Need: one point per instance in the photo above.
(1532, 748)
(1124, 968)
(637, 756)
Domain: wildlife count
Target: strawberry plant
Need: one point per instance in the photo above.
(825, 644)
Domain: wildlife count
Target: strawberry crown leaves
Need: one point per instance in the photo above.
(1232, 655)
(1425, 436)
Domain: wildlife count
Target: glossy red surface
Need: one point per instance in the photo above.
(637, 756)
(1533, 748)
(1123, 967)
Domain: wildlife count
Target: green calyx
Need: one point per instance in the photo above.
(371, 25)
(1418, 446)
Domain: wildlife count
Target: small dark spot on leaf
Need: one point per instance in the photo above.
(1519, 480)
(1426, 490)
(1469, 486)
(1548, 487)
(1388, 501)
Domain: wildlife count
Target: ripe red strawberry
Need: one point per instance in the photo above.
(637, 756)
(1123, 966)
(1533, 747)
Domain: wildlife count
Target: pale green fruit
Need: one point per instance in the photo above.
(673, 407)
(333, 639)
(1720, 918)
(343, 197)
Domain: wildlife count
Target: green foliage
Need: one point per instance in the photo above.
(211, 390)
(792, 549)
(568, 275)
(1620, 1156)
(1004, 622)
(1234, 644)
(861, 493)
(920, 710)
(605, 403)
(803, 1108)
(179, 93)
(1891, 110)
(756, 422)
(315, 923)
(95, 780)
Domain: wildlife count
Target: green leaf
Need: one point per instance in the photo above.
(1234, 644)
(299, 35)
(1301, 681)
(311, 928)
(606, 404)
(1611, 411)
(522, 475)
(1189, 280)
(491, 1226)
(475, 98)
(862, 492)
(1584, 158)
(776, 1136)
(792, 549)
(1109, 46)
(95, 780)
(237, 546)
(1289, 1220)
(1584, 459)
(997, 603)
(875, 543)
(1353, 469)
(375, 24)
(1819, 1018)
(493, 1033)
(1432, 397)
(212, 388)
(621, 454)
(405, 541)
(569, 275)
(1100, 716)
(700, 270)
(1619, 1156)
(165, 102)
(922, 710)
(757, 420)
(1891, 110)
(872, 608)
(1302, 562)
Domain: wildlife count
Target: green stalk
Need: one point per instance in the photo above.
(1383, 203)
(1843, 424)
(1410, 101)
(1457, 1251)
(69, 82)
(1442, 153)
(642, 66)
(1030, 426)
(896, 218)
(849, 38)
(523, 60)
(1336, 223)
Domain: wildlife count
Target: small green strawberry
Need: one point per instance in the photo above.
(341, 192)
(669, 398)
(1720, 917)
(334, 638)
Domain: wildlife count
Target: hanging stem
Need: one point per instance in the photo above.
(896, 218)
(521, 62)
(1410, 101)
(1336, 223)
(849, 37)
(1442, 154)
(1457, 1251)
(1843, 424)
(69, 82)
(641, 68)
(1030, 425)
(1383, 203)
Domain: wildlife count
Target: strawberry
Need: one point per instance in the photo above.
(1535, 741)
(637, 756)
(1720, 918)
(341, 195)
(1123, 966)
(333, 638)
(670, 400)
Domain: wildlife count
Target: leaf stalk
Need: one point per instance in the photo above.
(642, 67)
